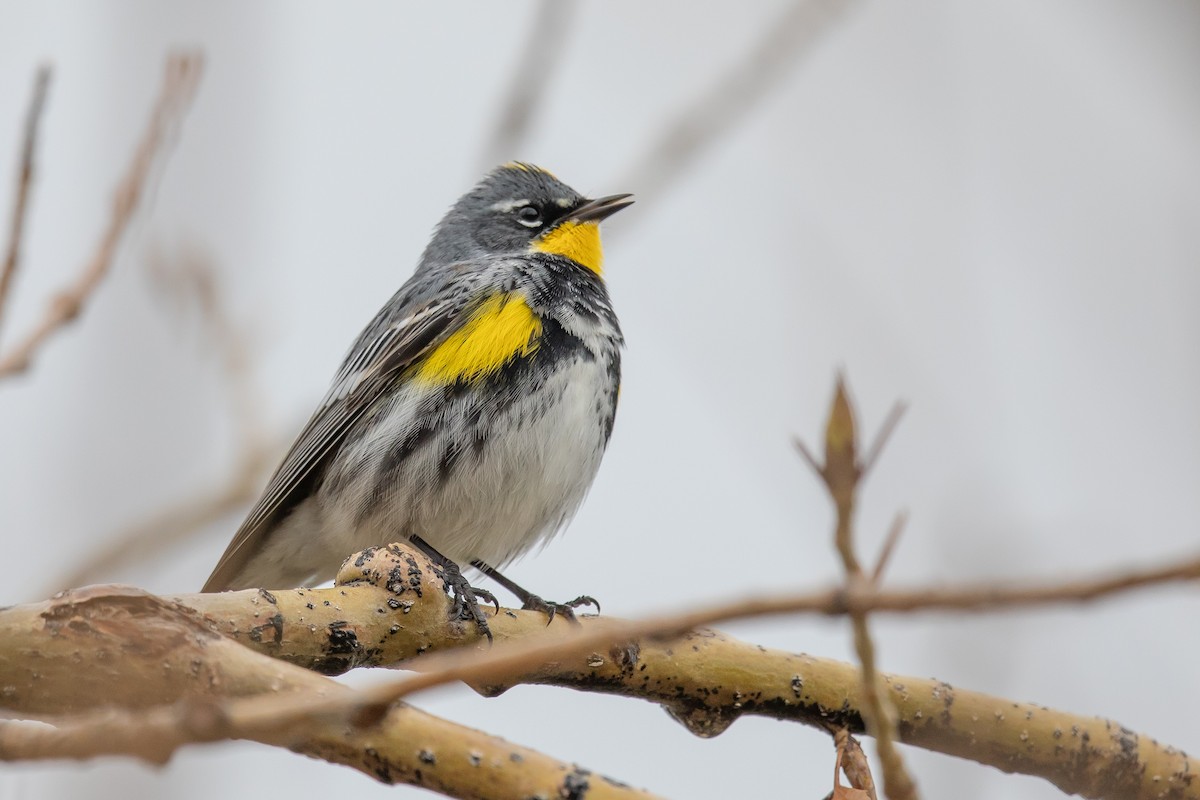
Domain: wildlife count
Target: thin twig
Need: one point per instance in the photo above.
(540, 55)
(889, 546)
(808, 456)
(763, 69)
(885, 433)
(12, 256)
(179, 87)
(843, 473)
(853, 762)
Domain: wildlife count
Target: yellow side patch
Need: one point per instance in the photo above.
(501, 329)
(578, 241)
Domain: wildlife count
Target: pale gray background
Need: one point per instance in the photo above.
(989, 209)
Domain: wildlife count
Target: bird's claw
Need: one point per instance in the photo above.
(535, 603)
(466, 598)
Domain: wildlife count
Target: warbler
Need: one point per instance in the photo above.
(469, 416)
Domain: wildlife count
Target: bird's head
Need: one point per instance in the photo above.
(519, 208)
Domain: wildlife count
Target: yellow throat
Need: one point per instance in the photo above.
(578, 241)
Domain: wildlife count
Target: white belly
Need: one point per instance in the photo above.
(525, 479)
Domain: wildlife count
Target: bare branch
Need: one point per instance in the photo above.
(889, 546)
(843, 474)
(540, 55)
(426, 628)
(784, 43)
(885, 433)
(389, 606)
(37, 101)
(853, 761)
(179, 87)
(195, 280)
(174, 678)
(180, 521)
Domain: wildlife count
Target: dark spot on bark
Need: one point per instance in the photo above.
(365, 556)
(947, 693)
(275, 624)
(614, 782)
(575, 785)
(427, 757)
(379, 767)
(265, 595)
(342, 640)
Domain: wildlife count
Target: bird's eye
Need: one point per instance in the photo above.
(529, 216)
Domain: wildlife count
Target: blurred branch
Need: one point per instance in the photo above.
(179, 87)
(193, 280)
(763, 69)
(842, 473)
(173, 680)
(179, 522)
(540, 55)
(12, 255)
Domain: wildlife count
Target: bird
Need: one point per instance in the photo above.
(470, 415)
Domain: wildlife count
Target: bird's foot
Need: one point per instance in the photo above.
(466, 597)
(534, 603)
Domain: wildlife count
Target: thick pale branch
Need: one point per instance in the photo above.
(386, 611)
(120, 672)
(389, 607)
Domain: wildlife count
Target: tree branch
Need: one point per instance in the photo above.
(388, 607)
(763, 69)
(12, 255)
(842, 473)
(158, 677)
(540, 55)
(195, 280)
(179, 87)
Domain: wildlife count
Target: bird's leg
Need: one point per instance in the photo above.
(466, 596)
(532, 602)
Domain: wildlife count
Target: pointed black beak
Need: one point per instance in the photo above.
(605, 207)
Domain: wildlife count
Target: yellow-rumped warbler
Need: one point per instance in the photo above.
(470, 415)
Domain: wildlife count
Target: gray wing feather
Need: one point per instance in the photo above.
(362, 379)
